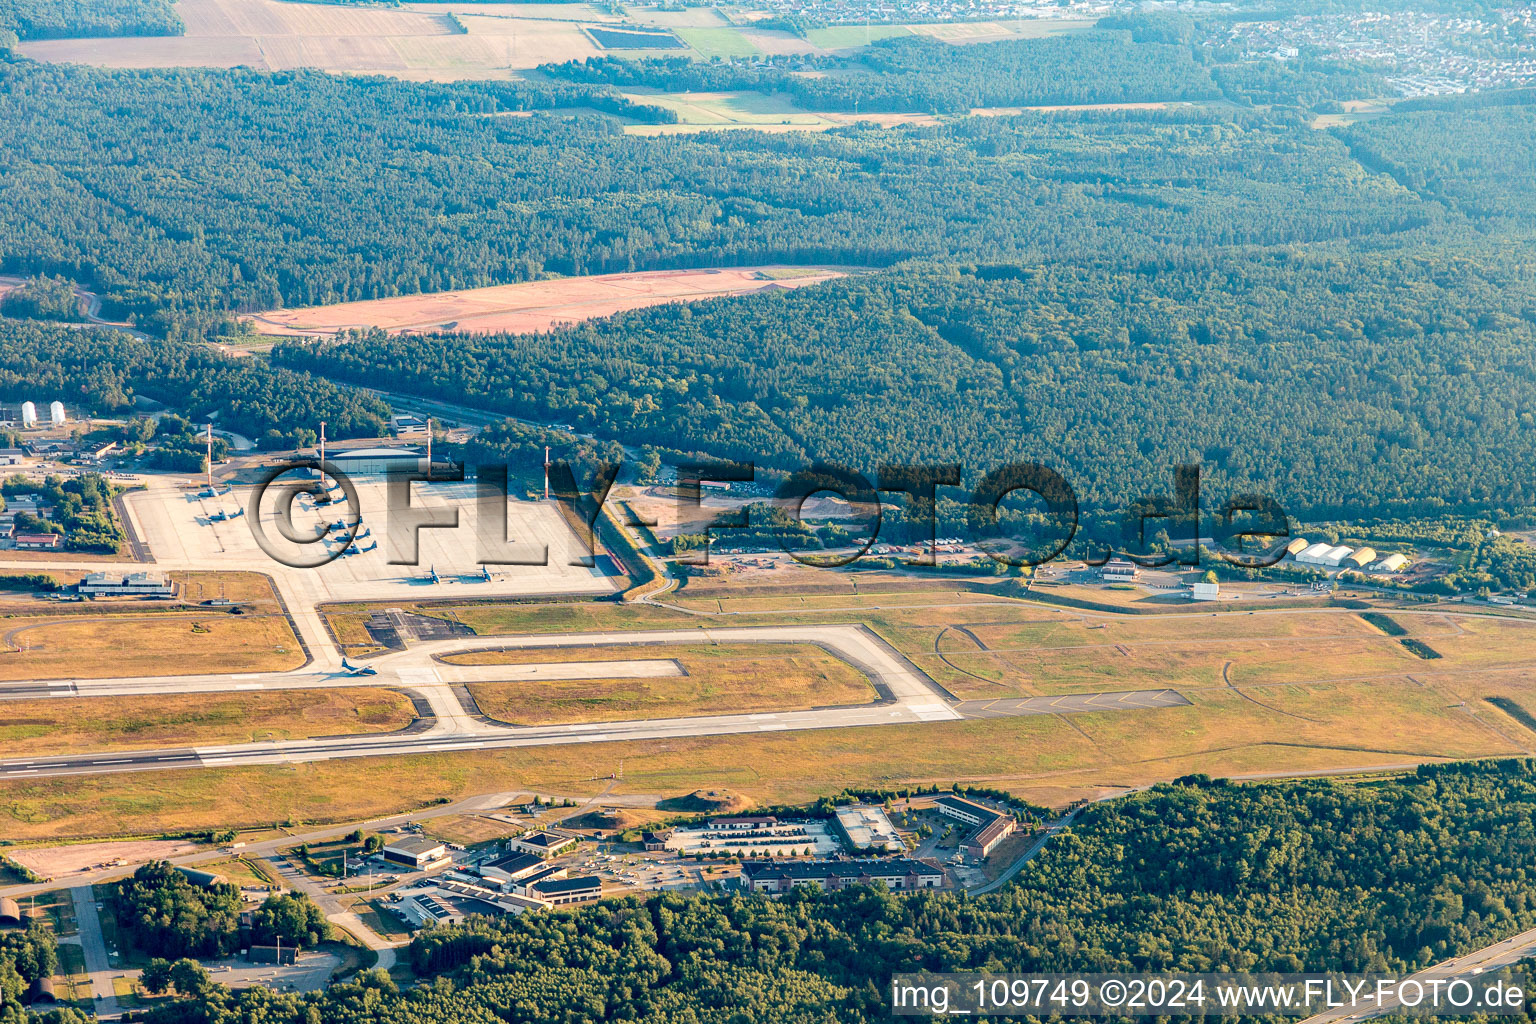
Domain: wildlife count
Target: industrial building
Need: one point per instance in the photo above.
(898, 875)
(450, 902)
(1392, 563)
(11, 456)
(416, 851)
(1335, 557)
(1206, 592)
(992, 827)
(39, 541)
(541, 844)
(1361, 557)
(511, 867)
(869, 828)
(560, 891)
(1314, 554)
(1297, 546)
(407, 424)
(746, 821)
(133, 584)
(363, 462)
(1118, 570)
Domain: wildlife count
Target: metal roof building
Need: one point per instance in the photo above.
(1315, 554)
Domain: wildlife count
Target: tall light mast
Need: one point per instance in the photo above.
(210, 458)
(546, 472)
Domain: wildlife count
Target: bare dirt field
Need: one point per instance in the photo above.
(57, 862)
(535, 305)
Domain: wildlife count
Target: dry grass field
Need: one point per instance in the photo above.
(720, 679)
(58, 726)
(154, 644)
(532, 306)
(1052, 759)
(1275, 691)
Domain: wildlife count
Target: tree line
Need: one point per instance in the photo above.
(918, 73)
(102, 371)
(176, 195)
(66, 19)
(1393, 384)
(1198, 875)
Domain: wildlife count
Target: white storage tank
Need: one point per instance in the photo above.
(56, 413)
(28, 415)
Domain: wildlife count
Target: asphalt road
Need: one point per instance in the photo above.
(1478, 962)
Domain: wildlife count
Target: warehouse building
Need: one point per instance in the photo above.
(1206, 592)
(1361, 558)
(132, 584)
(363, 462)
(1315, 554)
(1118, 570)
(416, 851)
(1335, 556)
(898, 875)
(1392, 563)
(1297, 546)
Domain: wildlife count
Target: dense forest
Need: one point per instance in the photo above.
(1407, 382)
(1193, 876)
(907, 73)
(26, 957)
(173, 191)
(64, 19)
(168, 916)
(102, 371)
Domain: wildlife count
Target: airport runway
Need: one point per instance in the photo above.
(905, 695)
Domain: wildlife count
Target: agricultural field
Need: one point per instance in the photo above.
(56, 725)
(532, 306)
(714, 111)
(717, 679)
(417, 42)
